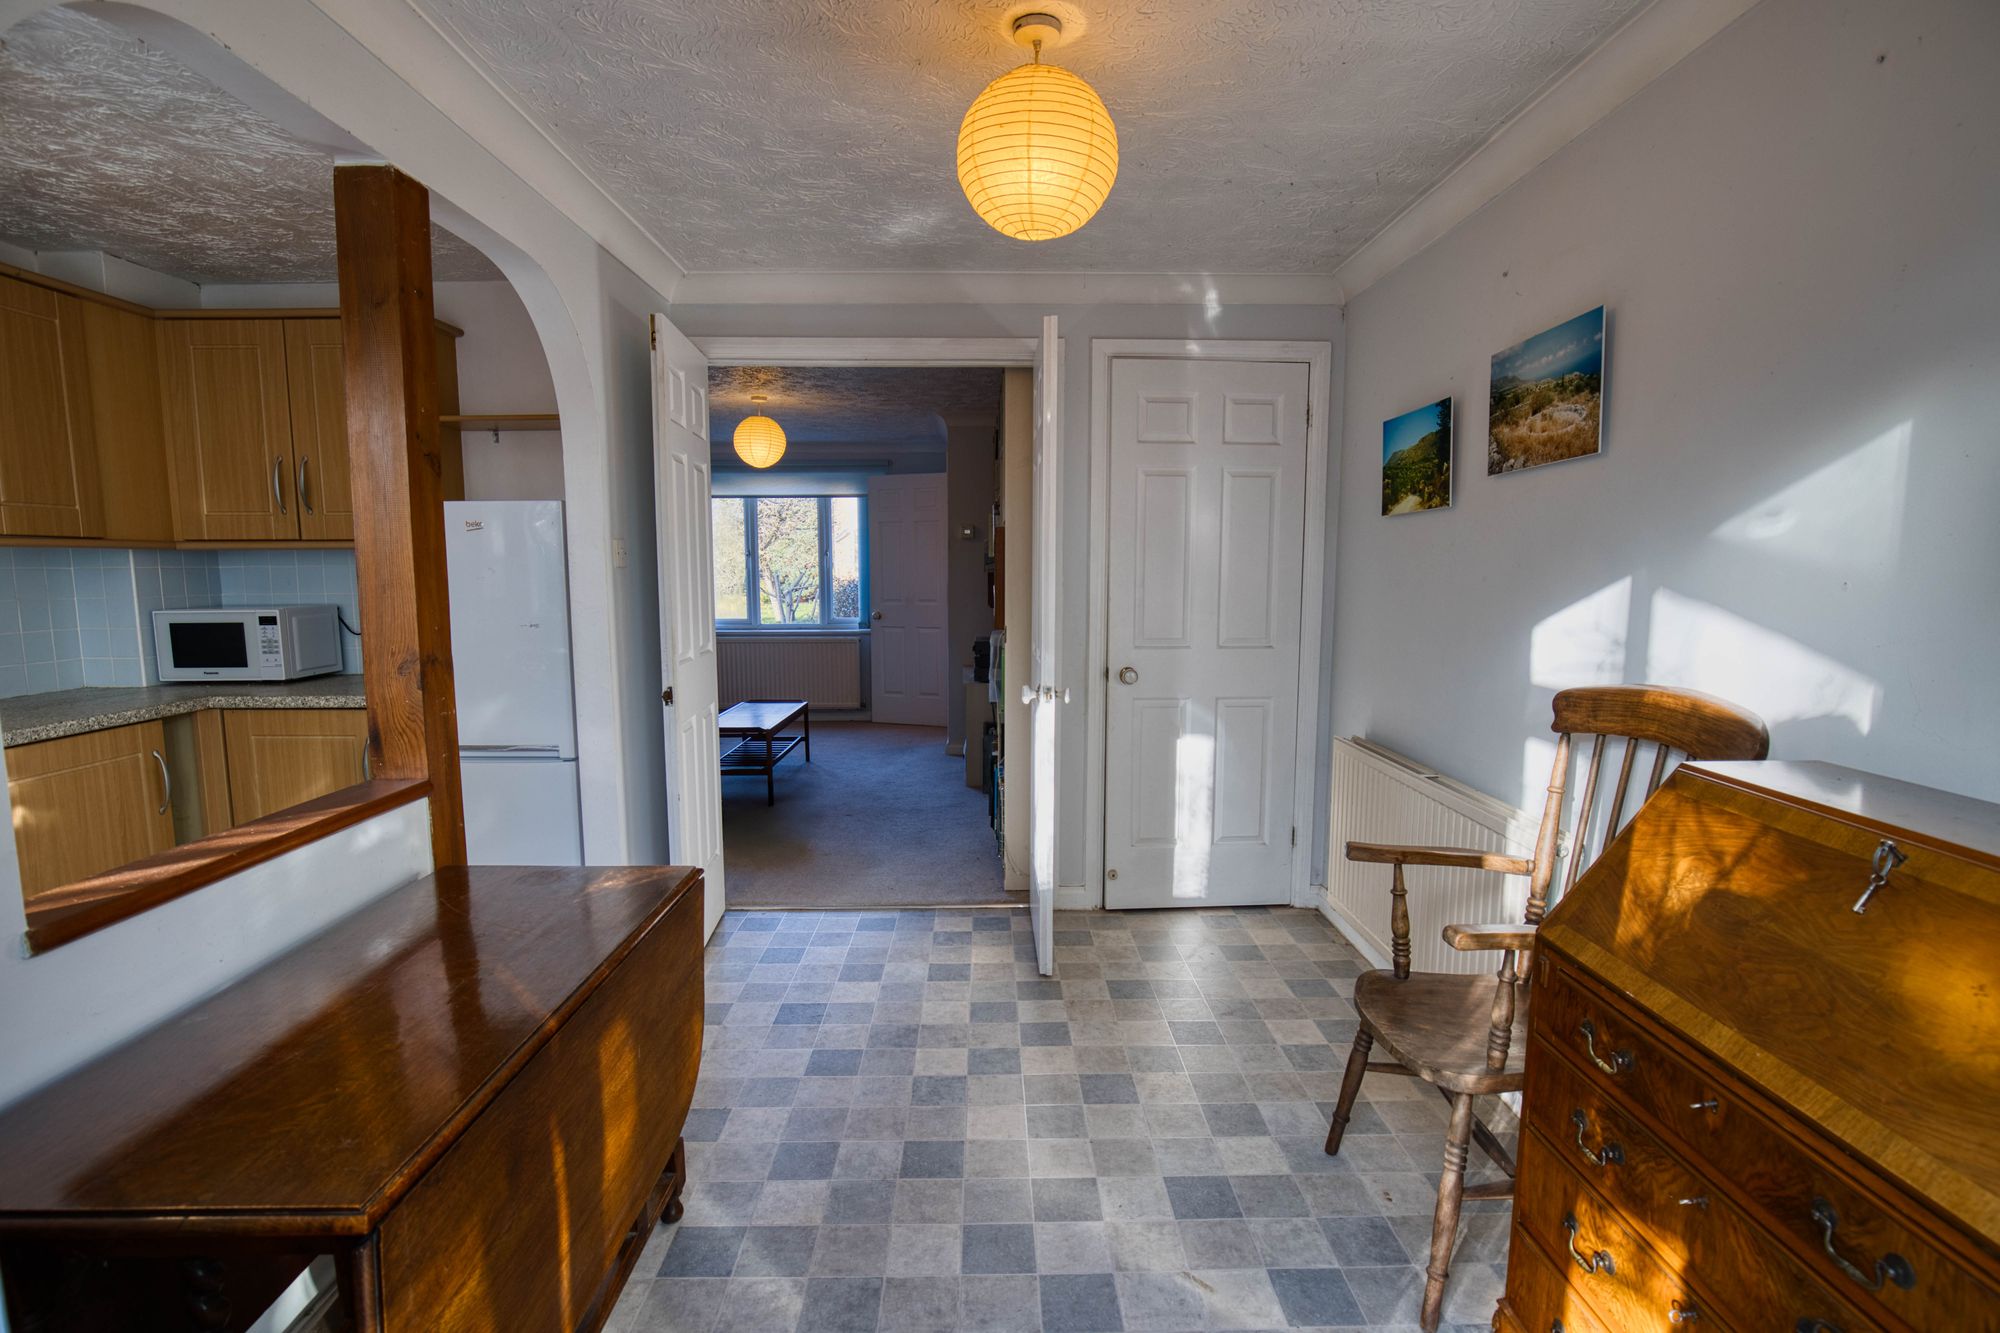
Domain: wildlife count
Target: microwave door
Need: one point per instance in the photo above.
(219, 648)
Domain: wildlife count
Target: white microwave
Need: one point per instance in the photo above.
(247, 643)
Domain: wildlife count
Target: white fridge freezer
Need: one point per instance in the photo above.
(511, 661)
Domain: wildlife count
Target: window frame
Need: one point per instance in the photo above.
(752, 621)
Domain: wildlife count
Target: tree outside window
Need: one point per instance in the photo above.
(787, 560)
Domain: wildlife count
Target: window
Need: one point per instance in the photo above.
(784, 560)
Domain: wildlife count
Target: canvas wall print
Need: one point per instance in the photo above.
(1416, 460)
(1548, 396)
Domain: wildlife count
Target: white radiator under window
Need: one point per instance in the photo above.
(822, 669)
(1381, 796)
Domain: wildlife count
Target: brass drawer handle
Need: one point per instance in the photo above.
(1682, 1314)
(1889, 1268)
(1620, 1061)
(1609, 1155)
(1811, 1325)
(1597, 1261)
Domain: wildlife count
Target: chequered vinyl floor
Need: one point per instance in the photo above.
(899, 1125)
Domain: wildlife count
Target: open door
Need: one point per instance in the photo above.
(1045, 694)
(687, 609)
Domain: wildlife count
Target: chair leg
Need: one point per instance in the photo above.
(1350, 1088)
(1444, 1223)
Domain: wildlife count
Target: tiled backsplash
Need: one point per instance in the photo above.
(74, 616)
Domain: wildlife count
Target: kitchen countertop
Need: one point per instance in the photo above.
(27, 718)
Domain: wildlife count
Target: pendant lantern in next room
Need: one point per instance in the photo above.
(759, 441)
(1037, 152)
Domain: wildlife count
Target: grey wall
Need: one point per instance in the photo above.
(971, 487)
(1079, 325)
(1797, 234)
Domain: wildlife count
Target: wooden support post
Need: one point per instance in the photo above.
(382, 228)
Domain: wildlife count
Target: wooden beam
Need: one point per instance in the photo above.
(382, 230)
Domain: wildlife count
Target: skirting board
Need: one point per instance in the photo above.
(1076, 898)
(1352, 934)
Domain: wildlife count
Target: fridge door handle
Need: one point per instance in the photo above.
(510, 749)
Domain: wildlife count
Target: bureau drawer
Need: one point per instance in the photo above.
(1627, 1285)
(1852, 1245)
(1540, 1297)
(1673, 1206)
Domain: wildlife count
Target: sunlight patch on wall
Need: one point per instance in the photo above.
(1847, 515)
(1701, 646)
(1584, 643)
(1194, 814)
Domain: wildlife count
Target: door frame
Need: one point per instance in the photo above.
(997, 353)
(1318, 359)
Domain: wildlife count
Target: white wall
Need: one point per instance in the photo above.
(1080, 323)
(1797, 234)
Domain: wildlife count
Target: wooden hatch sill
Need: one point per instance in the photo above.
(88, 905)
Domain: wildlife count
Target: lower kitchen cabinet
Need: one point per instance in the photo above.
(87, 804)
(278, 757)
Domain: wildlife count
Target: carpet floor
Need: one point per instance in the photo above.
(881, 817)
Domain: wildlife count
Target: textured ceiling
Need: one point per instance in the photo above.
(112, 144)
(1254, 135)
(850, 414)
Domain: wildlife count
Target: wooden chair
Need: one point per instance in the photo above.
(1465, 1034)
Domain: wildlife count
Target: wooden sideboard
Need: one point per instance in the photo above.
(1754, 1101)
(469, 1093)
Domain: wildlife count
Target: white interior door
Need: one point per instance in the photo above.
(909, 652)
(1045, 694)
(687, 608)
(1207, 513)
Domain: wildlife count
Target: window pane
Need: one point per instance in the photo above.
(788, 560)
(731, 602)
(846, 557)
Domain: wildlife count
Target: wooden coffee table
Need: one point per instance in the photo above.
(758, 728)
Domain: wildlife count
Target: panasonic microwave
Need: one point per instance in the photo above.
(247, 643)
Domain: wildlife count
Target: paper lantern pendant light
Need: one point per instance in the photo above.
(1037, 152)
(759, 441)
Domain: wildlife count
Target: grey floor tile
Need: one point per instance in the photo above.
(776, 1252)
(702, 1252)
(1067, 1199)
(762, 1305)
(997, 1248)
(919, 1305)
(1202, 1197)
(1081, 1303)
(842, 1305)
(1001, 1304)
(1315, 1297)
(680, 1305)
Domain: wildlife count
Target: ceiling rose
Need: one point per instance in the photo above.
(1037, 152)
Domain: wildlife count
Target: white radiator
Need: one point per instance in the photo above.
(1381, 796)
(822, 669)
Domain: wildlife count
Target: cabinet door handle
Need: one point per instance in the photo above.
(1620, 1061)
(1889, 1268)
(1597, 1261)
(1682, 1314)
(278, 483)
(305, 495)
(1608, 1155)
(166, 782)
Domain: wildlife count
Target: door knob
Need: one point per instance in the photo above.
(876, 616)
(1129, 675)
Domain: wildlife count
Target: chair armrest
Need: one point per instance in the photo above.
(1467, 938)
(1463, 858)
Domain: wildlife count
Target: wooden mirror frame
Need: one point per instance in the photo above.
(383, 234)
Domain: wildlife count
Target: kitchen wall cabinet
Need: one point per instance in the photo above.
(318, 379)
(278, 757)
(227, 404)
(86, 804)
(48, 461)
(131, 445)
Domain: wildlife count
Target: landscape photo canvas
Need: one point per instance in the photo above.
(1416, 459)
(1548, 396)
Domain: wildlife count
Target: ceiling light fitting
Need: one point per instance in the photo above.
(759, 441)
(1037, 151)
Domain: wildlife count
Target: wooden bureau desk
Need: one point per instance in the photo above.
(469, 1093)
(1754, 1100)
